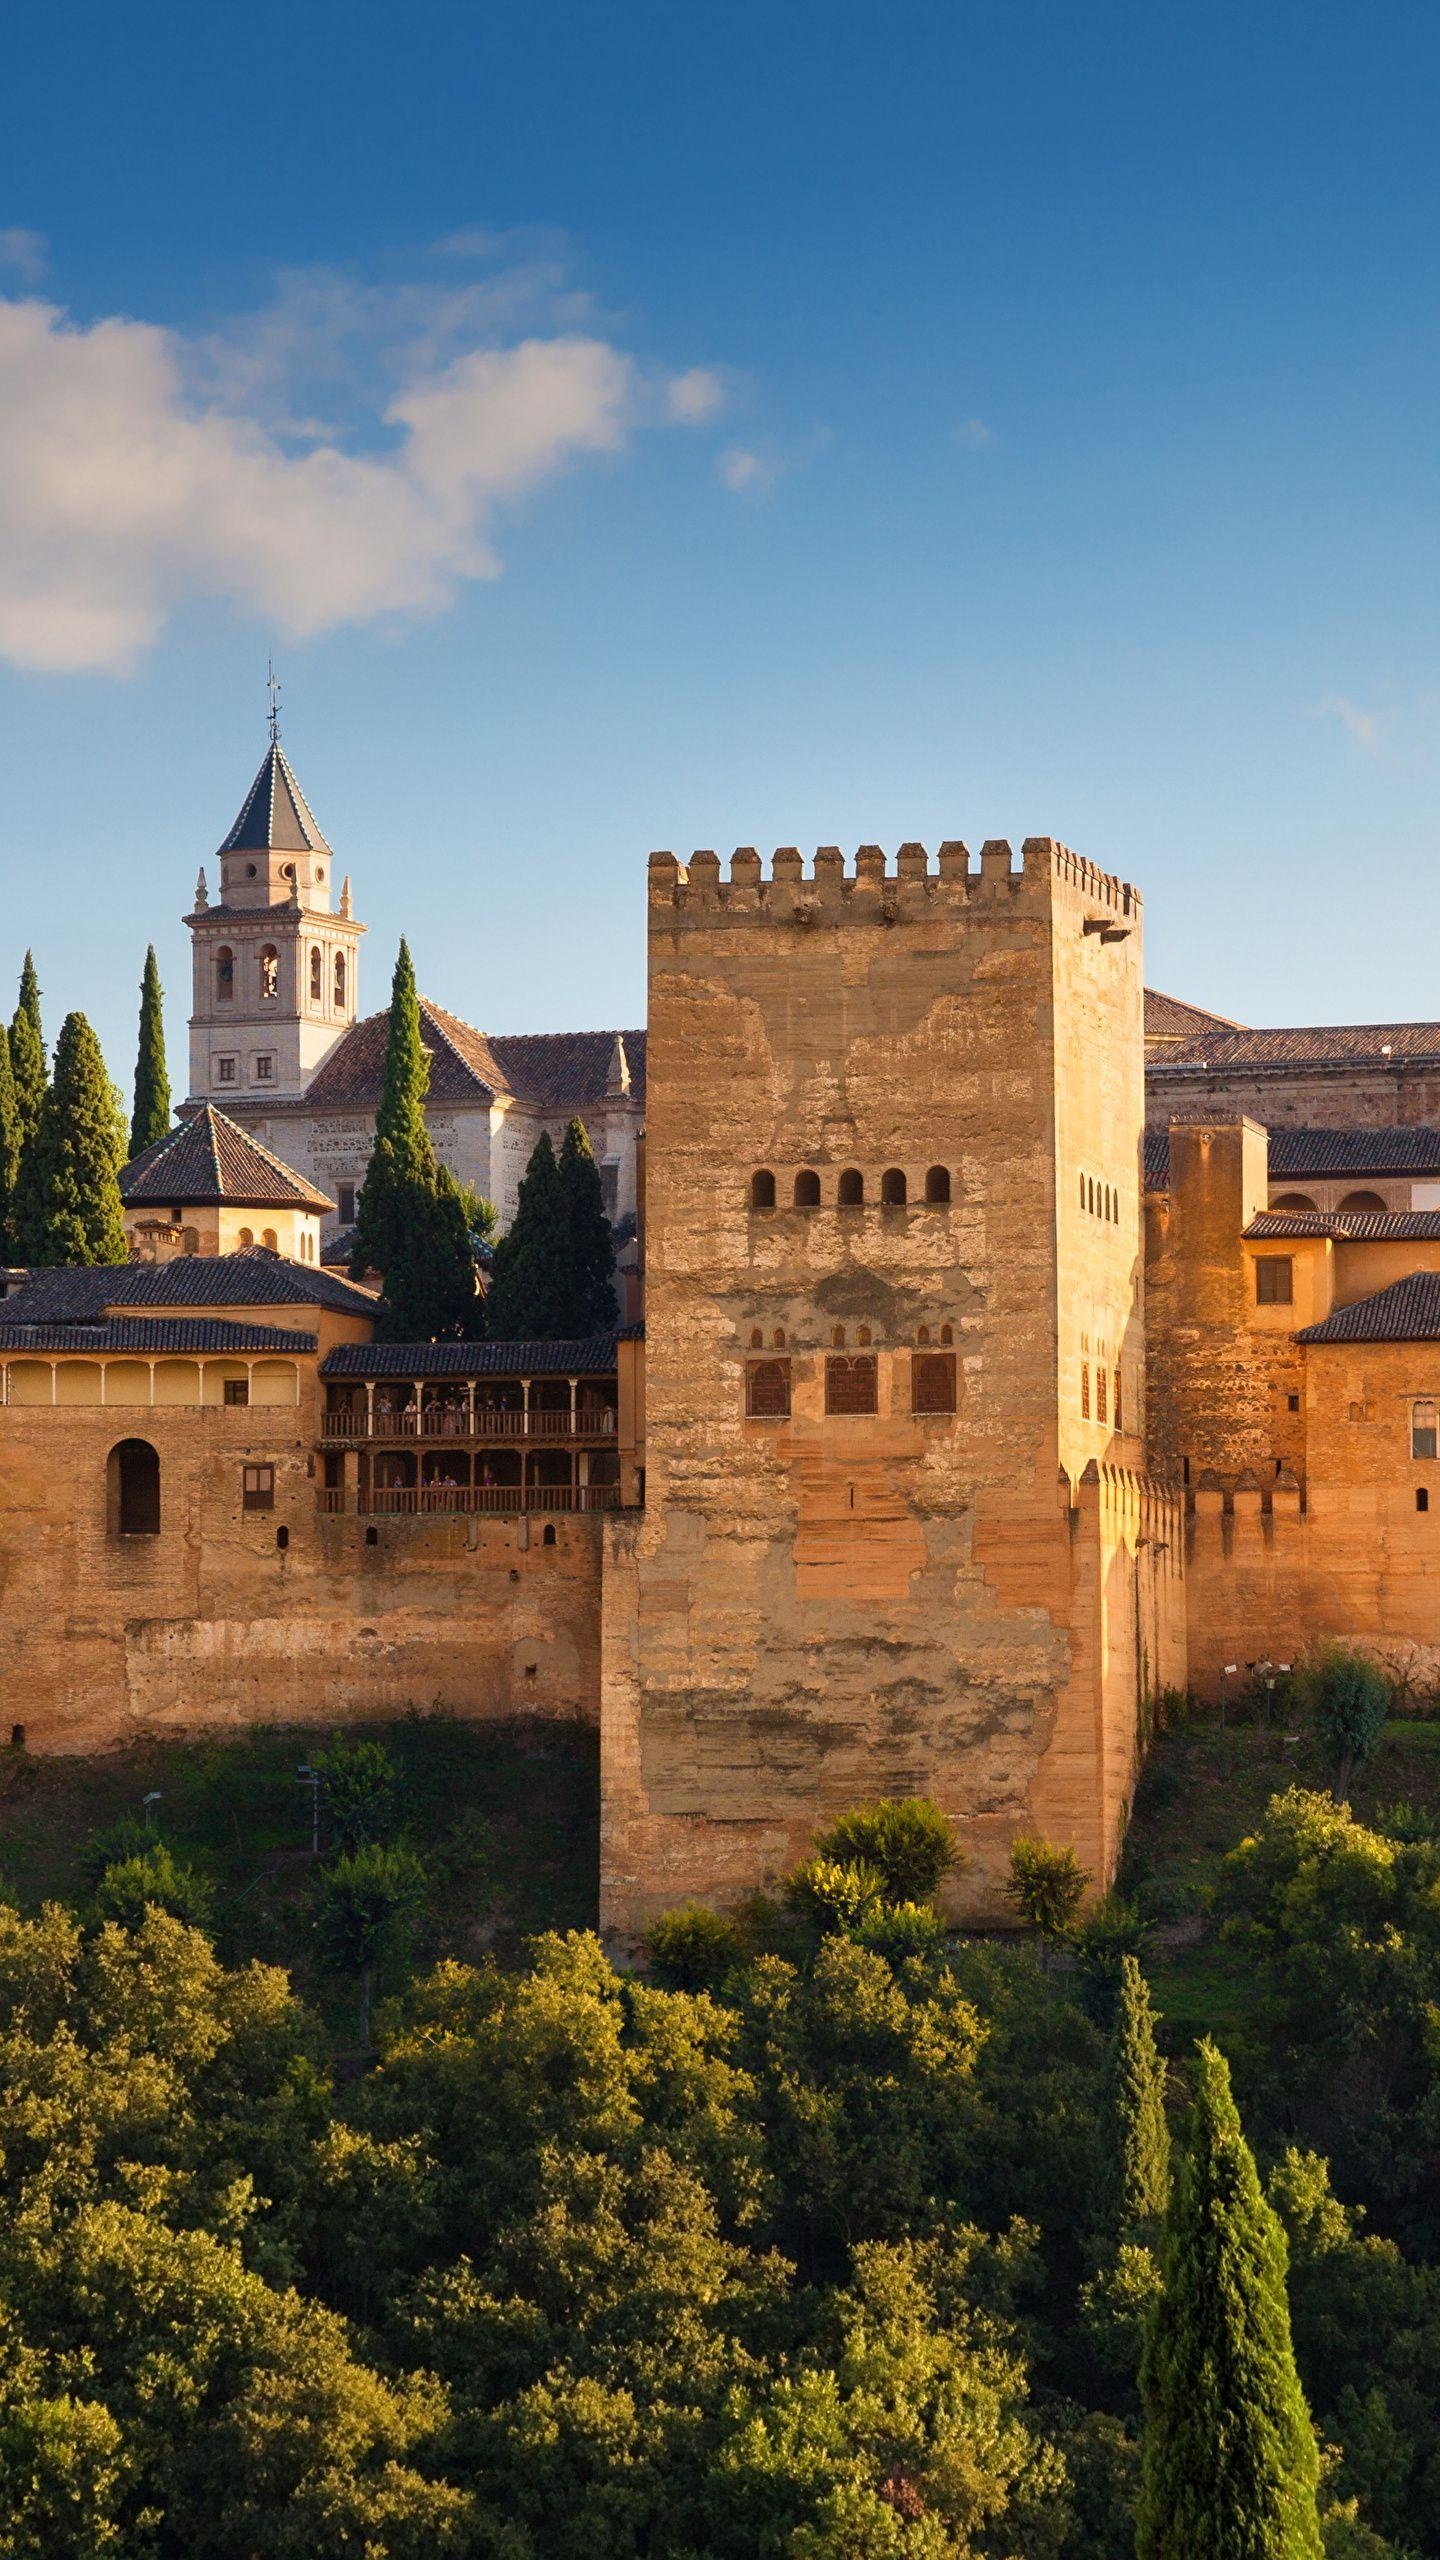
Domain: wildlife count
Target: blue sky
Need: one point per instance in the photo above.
(654, 425)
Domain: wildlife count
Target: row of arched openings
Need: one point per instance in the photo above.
(1099, 1199)
(270, 975)
(850, 1188)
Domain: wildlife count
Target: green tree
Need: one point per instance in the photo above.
(153, 1879)
(1230, 2469)
(692, 1948)
(410, 1222)
(591, 1243)
(908, 1838)
(151, 1116)
(362, 1791)
(1347, 1695)
(529, 1298)
(68, 1193)
(1137, 2103)
(9, 1145)
(1047, 1884)
(27, 1054)
(370, 1900)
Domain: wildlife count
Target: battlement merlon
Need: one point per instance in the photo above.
(872, 889)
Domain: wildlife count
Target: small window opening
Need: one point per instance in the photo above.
(317, 976)
(372, 1536)
(851, 1384)
(1117, 1400)
(237, 1390)
(837, 1338)
(1102, 1395)
(134, 1471)
(270, 1240)
(1274, 1280)
(757, 1338)
(1084, 1390)
(932, 1382)
(1292, 1404)
(340, 979)
(282, 1539)
(1423, 1428)
(923, 1334)
(257, 1488)
(1422, 1497)
(777, 1338)
(937, 1185)
(17, 1737)
(863, 1334)
(851, 1190)
(345, 1203)
(547, 1538)
(224, 974)
(762, 1190)
(767, 1390)
(893, 1188)
(269, 973)
(947, 1333)
(807, 1190)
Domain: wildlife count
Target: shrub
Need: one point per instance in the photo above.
(154, 1878)
(1103, 1939)
(121, 1840)
(834, 1897)
(897, 1930)
(368, 1905)
(693, 1949)
(362, 1792)
(1348, 1696)
(1047, 1884)
(909, 1840)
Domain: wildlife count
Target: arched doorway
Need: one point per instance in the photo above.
(133, 1490)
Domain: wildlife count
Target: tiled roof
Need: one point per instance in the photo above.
(149, 1335)
(209, 1157)
(190, 1280)
(552, 1070)
(275, 817)
(472, 1359)
(1321, 1155)
(565, 1070)
(1170, 1018)
(1408, 1311)
(1340, 1044)
(1352, 1226)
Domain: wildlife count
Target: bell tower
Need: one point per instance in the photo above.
(276, 962)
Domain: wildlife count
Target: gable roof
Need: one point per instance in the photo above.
(209, 1157)
(1171, 1018)
(1320, 1155)
(251, 1279)
(148, 1335)
(1408, 1311)
(595, 1356)
(550, 1070)
(275, 815)
(1374, 1045)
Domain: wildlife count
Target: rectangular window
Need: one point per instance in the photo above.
(1118, 1424)
(850, 1383)
(767, 1390)
(1102, 1399)
(237, 1390)
(224, 1070)
(264, 1070)
(259, 1488)
(932, 1382)
(345, 1202)
(1084, 1390)
(1274, 1280)
(1423, 1440)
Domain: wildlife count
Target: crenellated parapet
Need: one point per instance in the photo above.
(831, 890)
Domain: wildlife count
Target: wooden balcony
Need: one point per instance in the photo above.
(464, 1423)
(413, 1501)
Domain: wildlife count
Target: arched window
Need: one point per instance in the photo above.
(1084, 1390)
(807, 1190)
(317, 974)
(269, 973)
(340, 981)
(245, 1239)
(850, 1384)
(270, 1240)
(1292, 1202)
(851, 1192)
(1092, 1199)
(892, 1187)
(923, 1335)
(1102, 1393)
(224, 974)
(767, 1390)
(133, 1490)
(777, 1338)
(1082, 1190)
(762, 1190)
(1362, 1200)
(837, 1338)
(947, 1334)
(1423, 1426)
(757, 1338)
(547, 1535)
(937, 1185)
(863, 1335)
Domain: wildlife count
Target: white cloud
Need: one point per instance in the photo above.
(746, 472)
(693, 396)
(973, 433)
(338, 457)
(24, 252)
(1364, 726)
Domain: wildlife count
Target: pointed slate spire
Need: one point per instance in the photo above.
(276, 816)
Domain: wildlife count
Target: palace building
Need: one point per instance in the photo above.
(1016, 1347)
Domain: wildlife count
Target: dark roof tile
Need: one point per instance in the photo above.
(210, 1158)
(1347, 1226)
(472, 1359)
(1341, 1044)
(255, 1279)
(275, 817)
(1170, 1018)
(1408, 1311)
(552, 1071)
(1323, 1155)
(150, 1335)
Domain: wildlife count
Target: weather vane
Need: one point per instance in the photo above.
(273, 690)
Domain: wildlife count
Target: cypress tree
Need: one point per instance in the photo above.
(430, 1287)
(9, 1148)
(591, 1244)
(402, 1154)
(151, 1117)
(1137, 2096)
(69, 1191)
(530, 1298)
(27, 1054)
(1230, 2466)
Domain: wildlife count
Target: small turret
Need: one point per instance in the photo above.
(617, 1082)
(202, 894)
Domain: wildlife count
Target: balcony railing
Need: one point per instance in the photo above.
(407, 1501)
(457, 1422)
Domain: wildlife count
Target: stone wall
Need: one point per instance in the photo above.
(215, 1622)
(823, 1606)
(1221, 1382)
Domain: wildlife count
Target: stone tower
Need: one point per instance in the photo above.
(275, 964)
(894, 1537)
